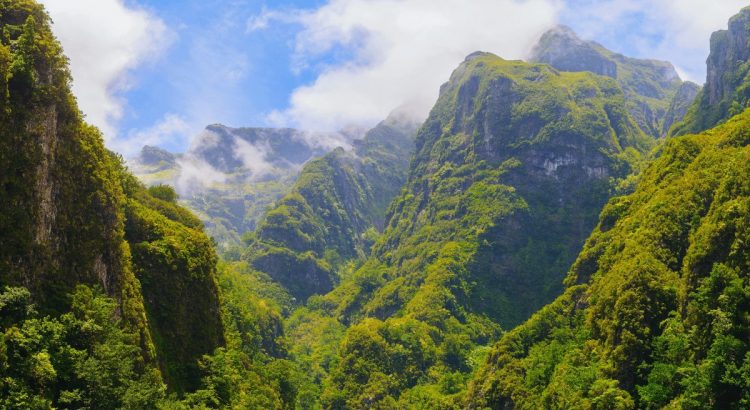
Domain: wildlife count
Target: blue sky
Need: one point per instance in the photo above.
(170, 67)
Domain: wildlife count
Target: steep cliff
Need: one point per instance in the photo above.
(656, 306)
(510, 172)
(726, 92)
(655, 310)
(681, 102)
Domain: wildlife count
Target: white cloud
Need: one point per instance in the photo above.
(674, 30)
(195, 175)
(105, 40)
(253, 157)
(402, 50)
(172, 130)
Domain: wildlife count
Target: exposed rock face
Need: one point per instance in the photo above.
(61, 204)
(649, 85)
(727, 62)
(526, 123)
(65, 202)
(727, 89)
(563, 49)
(680, 105)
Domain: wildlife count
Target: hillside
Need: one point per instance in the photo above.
(510, 171)
(655, 309)
(108, 290)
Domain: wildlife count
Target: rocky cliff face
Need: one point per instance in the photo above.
(61, 200)
(649, 85)
(511, 169)
(681, 102)
(654, 314)
(727, 89)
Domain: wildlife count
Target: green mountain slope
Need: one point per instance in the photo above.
(726, 91)
(656, 306)
(333, 212)
(74, 220)
(511, 170)
(649, 85)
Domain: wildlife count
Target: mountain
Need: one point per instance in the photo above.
(649, 85)
(654, 314)
(510, 172)
(334, 211)
(726, 92)
(229, 176)
(108, 289)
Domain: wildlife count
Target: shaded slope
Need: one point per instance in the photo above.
(655, 313)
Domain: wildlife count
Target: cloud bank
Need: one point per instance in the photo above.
(399, 52)
(105, 40)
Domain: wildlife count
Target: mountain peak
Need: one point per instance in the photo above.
(561, 48)
(649, 85)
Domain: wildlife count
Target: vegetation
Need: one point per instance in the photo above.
(655, 311)
(650, 86)
(407, 273)
(460, 254)
(334, 211)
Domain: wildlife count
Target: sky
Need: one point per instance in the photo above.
(158, 71)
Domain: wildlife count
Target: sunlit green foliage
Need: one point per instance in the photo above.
(81, 359)
(73, 215)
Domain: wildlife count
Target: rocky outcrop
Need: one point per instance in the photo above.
(649, 85)
(727, 89)
(561, 48)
